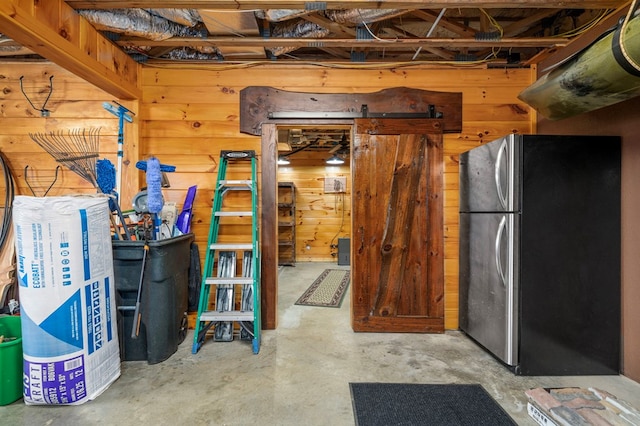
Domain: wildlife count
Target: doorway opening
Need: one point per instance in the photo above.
(314, 194)
(381, 121)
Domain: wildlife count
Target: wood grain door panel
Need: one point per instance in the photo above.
(397, 254)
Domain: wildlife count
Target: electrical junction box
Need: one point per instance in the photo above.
(344, 252)
(333, 184)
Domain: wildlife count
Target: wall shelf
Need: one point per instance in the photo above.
(286, 224)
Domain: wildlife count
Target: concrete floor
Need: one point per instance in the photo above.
(301, 375)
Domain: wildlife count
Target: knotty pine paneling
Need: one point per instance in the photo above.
(186, 116)
(73, 104)
(321, 79)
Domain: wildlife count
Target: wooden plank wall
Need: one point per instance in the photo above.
(74, 105)
(321, 218)
(187, 115)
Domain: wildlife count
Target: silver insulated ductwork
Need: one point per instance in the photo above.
(359, 16)
(298, 28)
(13, 50)
(157, 25)
(139, 23)
(162, 24)
(279, 15)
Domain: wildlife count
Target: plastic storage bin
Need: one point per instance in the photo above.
(164, 296)
(10, 360)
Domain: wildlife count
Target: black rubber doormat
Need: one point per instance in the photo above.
(327, 290)
(411, 404)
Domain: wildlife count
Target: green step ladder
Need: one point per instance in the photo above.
(230, 295)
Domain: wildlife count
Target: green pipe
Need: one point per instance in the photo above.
(593, 79)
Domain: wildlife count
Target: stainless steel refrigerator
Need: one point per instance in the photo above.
(540, 252)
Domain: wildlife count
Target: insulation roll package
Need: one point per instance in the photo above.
(67, 298)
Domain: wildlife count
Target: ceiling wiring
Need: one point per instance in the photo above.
(586, 26)
(364, 24)
(623, 49)
(493, 22)
(230, 65)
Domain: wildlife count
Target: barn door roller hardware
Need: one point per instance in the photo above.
(43, 111)
(364, 113)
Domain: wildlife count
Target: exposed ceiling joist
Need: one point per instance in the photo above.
(346, 43)
(82, 50)
(341, 4)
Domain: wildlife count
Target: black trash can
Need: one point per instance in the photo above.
(164, 296)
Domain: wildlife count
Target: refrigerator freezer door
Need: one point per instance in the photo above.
(570, 256)
(488, 282)
(488, 178)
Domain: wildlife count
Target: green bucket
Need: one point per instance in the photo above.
(10, 359)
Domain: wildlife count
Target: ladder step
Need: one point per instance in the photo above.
(231, 246)
(229, 280)
(240, 182)
(226, 316)
(237, 155)
(242, 213)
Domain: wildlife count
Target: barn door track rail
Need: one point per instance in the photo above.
(363, 113)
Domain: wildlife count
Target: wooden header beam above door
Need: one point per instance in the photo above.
(55, 31)
(259, 103)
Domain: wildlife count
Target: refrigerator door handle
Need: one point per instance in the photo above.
(502, 152)
(501, 228)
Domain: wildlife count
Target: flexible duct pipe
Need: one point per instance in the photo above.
(605, 73)
(138, 22)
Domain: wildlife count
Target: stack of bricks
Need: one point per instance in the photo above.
(579, 406)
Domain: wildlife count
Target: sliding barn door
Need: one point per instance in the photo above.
(397, 229)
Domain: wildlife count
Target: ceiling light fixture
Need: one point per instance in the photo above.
(283, 161)
(335, 160)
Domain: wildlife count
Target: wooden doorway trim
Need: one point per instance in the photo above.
(268, 188)
(257, 105)
(268, 196)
